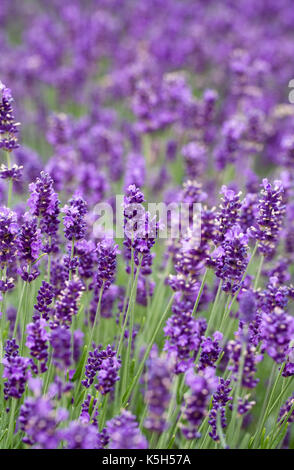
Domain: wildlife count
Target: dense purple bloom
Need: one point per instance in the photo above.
(230, 259)
(277, 331)
(229, 213)
(102, 365)
(8, 233)
(8, 126)
(124, 433)
(14, 172)
(16, 374)
(29, 241)
(67, 303)
(89, 411)
(195, 155)
(285, 409)
(183, 334)
(80, 436)
(245, 405)
(271, 211)
(210, 350)
(11, 348)
(39, 420)
(43, 199)
(158, 393)
(234, 348)
(74, 225)
(37, 342)
(44, 299)
(60, 339)
(201, 386)
(220, 399)
(106, 259)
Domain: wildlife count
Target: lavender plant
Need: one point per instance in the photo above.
(113, 335)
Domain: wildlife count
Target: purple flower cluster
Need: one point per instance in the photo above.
(124, 433)
(220, 400)
(102, 365)
(184, 335)
(201, 386)
(158, 393)
(8, 126)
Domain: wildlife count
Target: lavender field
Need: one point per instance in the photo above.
(146, 224)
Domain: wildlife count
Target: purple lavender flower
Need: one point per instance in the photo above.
(106, 259)
(229, 214)
(220, 399)
(196, 401)
(8, 126)
(29, 241)
(60, 339)
(14, 172)
(11, 348)
(37, 342)
(183, 334)
(124, 433)
(195, 155)
(74, 225)
(80, 436)
(89, 411)
(44, 299)
(210, 350)
(245, 405)
(234, 348)
(271, 211)
(44, 203)
(39, 420)
(8, 233)
(67, 303)
(16, 374)
(103, 365)
(277, 331)
(285, 409)
(230, 259)
(158, 393)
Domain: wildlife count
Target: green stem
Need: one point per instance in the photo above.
(147, 352)
(200, 292)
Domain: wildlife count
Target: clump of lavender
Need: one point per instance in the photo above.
(230, 259)
(201, 386)
(16, 372)
(220, 399)
(67, 303)
(158, 393)
(285, 410)
(210, 350)
(124, 432)
(8, 126)
(60, 340)
(8, 236)
(44, 299)
(102, 365)
(106, 259)
(184, 335)
(271, 211)
(277, 331)
(37, 342)
(44, 203)
(234, 348)
(228, 215)
(39, 420)
(80, 436)
(74, 224)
